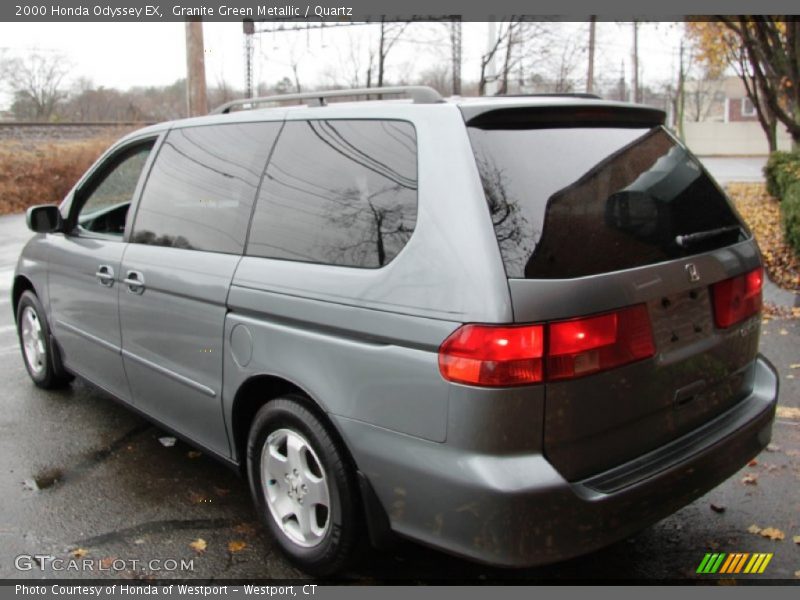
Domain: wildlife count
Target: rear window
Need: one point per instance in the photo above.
(338, 192)
(577, 201)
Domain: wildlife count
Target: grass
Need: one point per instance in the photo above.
(42, 173)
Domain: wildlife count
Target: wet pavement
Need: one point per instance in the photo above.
(80, 475)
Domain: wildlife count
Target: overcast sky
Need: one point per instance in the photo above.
(124, 55)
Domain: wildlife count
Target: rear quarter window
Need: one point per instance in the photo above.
(338, 192)
(575, 201)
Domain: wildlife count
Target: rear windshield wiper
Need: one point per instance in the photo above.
(684, 241)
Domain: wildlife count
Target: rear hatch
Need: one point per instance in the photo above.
(599, 212)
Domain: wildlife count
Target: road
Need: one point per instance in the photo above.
(111, 489)
(727, 169)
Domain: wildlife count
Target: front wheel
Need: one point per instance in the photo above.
(40, 356)
(303, 486)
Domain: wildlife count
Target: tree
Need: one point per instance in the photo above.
(502, 44)
(765, 53)
(36, 82)
(389, 34)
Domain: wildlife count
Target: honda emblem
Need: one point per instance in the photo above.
(694, 275)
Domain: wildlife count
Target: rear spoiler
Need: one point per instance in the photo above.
(563, 116)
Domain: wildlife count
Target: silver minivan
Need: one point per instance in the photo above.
(515, 329)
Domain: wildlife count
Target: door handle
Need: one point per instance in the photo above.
(105, 275)
(135, 282)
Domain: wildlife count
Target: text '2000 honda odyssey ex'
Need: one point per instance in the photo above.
(514, 329)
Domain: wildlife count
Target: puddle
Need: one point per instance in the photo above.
(47, 478)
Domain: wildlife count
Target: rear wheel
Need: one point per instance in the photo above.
(303, 487)
(40, 356)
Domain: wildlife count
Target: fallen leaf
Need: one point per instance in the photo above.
(138, 542)
(772, 533)
(787, 412)
(717, 508)
(750, 479)
(796, 539)
(763, 214)
(773, 448)
(794, 366)
(167, 442)
(790, 377)
(194, 454)
(79, 552)
(236, 546)
(244, 529)
(797, 574)
(752, 463)
(107, 562)
(199, 545)
(754, 529)
(783, 332)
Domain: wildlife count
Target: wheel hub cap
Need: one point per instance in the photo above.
(33, 343)
(296, 487)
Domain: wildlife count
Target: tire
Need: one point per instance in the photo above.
(292, 460)
(39, 352)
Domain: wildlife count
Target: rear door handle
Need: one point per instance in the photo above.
(135, 282)
(105, 275)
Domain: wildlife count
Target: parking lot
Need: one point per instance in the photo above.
(82, 476)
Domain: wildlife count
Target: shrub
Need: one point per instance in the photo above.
(781, 170)
(43, 173)
(790, 207)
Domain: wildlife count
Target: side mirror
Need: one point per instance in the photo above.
(45, 218)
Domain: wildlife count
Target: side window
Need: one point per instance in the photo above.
(202, 186)
(338, 192)
(105, 209)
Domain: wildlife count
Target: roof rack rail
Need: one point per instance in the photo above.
(420, 94)
(586, 95)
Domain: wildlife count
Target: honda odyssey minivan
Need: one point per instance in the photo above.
(516, 329)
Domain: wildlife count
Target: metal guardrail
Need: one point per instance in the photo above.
(420, 94)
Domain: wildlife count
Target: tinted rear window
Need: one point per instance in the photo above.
(338, 192)
(571, 202)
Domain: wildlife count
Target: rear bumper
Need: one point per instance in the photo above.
(518, 511)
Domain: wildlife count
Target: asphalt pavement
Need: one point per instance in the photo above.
(82, 476)
(727, 169)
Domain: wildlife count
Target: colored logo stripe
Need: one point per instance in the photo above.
(734, 563)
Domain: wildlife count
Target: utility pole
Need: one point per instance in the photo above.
(195, 70)
(590, 73)
(455, 45)
(681, 93)
(248, 28)
(635, 61)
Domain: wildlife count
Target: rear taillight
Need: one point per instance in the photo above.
(584, 346)
(738, 298)
(496, 356)
(493, 356)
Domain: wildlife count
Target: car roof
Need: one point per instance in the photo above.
(471, 107)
